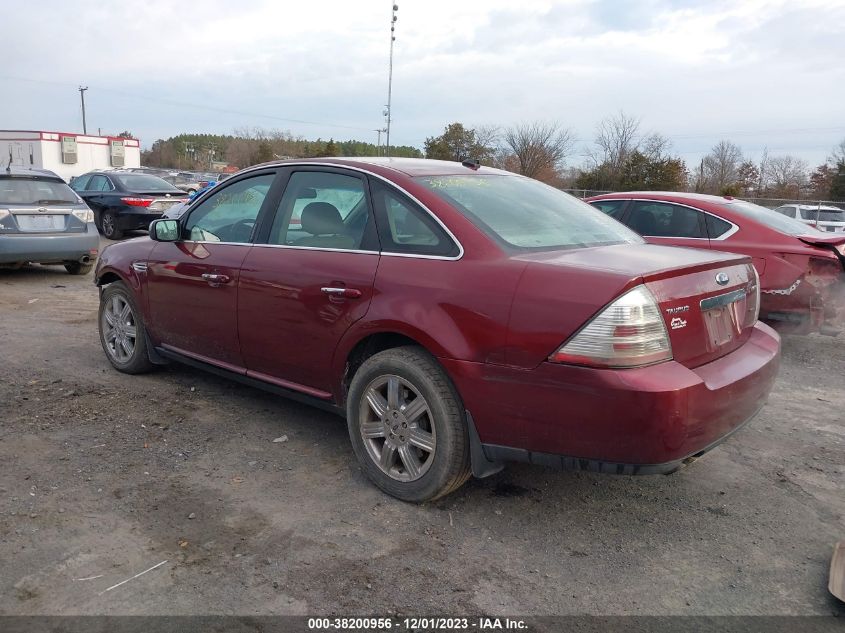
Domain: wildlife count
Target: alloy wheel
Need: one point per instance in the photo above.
(119, 329)
(395, 422)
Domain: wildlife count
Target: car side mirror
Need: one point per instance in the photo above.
(164, 230)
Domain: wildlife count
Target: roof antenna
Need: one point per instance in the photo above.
(472, 163)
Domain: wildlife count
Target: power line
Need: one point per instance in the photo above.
(184, 104)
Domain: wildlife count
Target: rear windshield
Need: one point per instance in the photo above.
(143, 182)
(525, 214)
(35, 191)
(823, 215)
(770, 218)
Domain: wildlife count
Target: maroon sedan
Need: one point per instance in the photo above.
(459, 317)
(802, 270)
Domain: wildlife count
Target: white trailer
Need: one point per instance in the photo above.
(67, 154)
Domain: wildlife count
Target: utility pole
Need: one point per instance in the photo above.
(390, 76)
(378, 143)
(82, 97)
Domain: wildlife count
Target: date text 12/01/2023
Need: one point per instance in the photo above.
(417, 623)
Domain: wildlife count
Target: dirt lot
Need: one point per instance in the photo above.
(103, 476)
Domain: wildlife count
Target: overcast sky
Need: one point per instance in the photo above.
(758, 72)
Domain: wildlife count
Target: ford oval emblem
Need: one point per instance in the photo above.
(722, 279)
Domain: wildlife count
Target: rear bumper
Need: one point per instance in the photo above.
(132, 221)
(640, 420)
(57, 247)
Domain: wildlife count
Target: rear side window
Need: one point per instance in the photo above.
(35, 191)
(662, 219)
(716, 227)
(613, 208)
(787, 211)
(322, 210)
(99, 183)
(404, 227)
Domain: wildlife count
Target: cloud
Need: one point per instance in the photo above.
(692, 70)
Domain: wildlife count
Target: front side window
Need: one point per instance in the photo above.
(230, 214)
(661, 219)
(406, 228)
(524, 214)
(321, 210)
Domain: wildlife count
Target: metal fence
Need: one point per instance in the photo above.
(770, 203)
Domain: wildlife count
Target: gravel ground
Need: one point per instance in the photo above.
(103, 476)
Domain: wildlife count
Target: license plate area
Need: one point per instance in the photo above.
(723, 317)
(40, 223)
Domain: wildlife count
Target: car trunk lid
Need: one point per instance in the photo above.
(561, 291)
(708, 312)
(39, 219)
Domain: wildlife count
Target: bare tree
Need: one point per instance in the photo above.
(788, 174)
(539, 148)
(655, 146)
(616, 139)
(763, 172)
(838, 155)
(721, 166)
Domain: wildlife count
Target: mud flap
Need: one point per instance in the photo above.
(481, 465)
(836, 584)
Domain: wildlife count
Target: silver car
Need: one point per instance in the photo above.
(43, 221)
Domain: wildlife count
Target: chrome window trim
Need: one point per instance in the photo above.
(731, 231)
(385, 180)
(321, 248)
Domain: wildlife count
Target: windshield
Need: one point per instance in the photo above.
(35, 191)
(526, 214)
(144, 182)
(770, 218)
(824, 215)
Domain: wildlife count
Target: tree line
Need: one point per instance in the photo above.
(251, 146)
(622, 157)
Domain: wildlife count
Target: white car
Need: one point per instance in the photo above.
(823, 217)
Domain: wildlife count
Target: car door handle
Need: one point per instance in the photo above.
(215, 279)
(347, 293)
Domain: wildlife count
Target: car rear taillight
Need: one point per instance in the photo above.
(630, 332)
(137, 202)
(86, 215)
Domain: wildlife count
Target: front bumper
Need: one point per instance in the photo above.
(634, 421)
(49, 248)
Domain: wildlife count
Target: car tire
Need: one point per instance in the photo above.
(428, 449)
(108, 226)
(122, 332)
(78, 268)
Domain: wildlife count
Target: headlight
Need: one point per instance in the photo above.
(86, 215)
